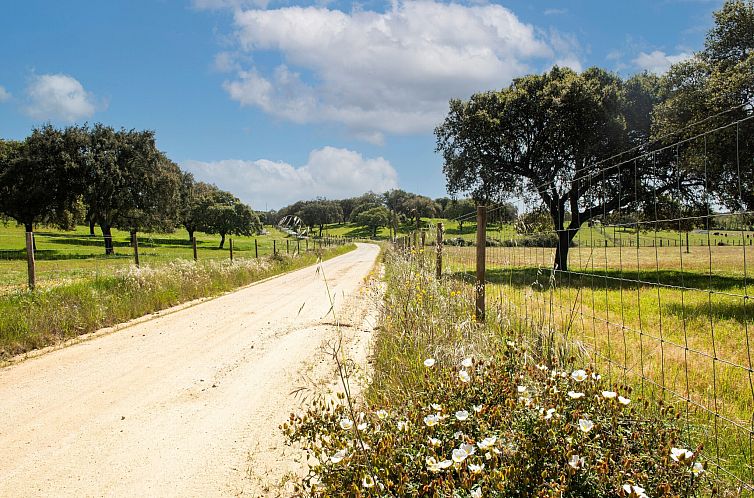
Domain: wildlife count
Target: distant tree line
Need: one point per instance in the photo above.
(111, 178)
(561, 140)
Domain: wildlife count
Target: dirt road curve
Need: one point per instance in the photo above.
(186, 404)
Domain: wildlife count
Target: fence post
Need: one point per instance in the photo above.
(287, 246)
(298, 246)
(481, 242)
(274, 248)
(231, 249)
(135, 244)
(440, 230)
(423, 237)
(30, 260)
(193, 244)
(256, 249)
(307, 245)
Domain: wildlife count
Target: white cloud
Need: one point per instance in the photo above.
(58, 96)
(4, 94)
(378, 72)
(329, 172)
(658, 61)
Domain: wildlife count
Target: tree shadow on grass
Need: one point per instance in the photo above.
(51, 255)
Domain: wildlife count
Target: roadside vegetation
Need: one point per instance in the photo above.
(31, 320)
(460, 408)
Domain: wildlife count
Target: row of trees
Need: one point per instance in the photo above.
(545, 137)
(111, 178)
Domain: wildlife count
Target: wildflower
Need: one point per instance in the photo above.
(429, 362)
(488, 456)
(362, 426)
(475, 469)
(468, 448)
(431, 420)
(680, 454)
(459, 455)
(585, 425)
(462, 415)
(466, 363)
(510, 344)
(346, 423)
(521, 389)
(697, 468)
(402, 425)
(578, 375)
(477, 408)
(596, 376)
(486, 442)
(632, 490)
(464, 376)
(623, 401)
(457, 435)
(381, 414)
(609, 394)
(444, 464)
(368, 481)
(476, 492)
(338, 456)
(436, 406)
(576, 461)
(550, 413)
(434, 441)
(542, 367)
(575, 395)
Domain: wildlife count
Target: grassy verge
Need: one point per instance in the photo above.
(34, 320)
(462, 409)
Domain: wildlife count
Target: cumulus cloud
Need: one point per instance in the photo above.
(392, 71)
(4, 94)
(658, 61)
(329, 172)
(59, 96)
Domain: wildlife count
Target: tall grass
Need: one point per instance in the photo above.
(30, 320)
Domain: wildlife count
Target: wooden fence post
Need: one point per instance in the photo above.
(440, 231)
(231, 249)
(32, 267)
(193, 244)
(256, 249)
(307, 245)
(274, 248)
(287, 246)
(481, 242)
(298, 246)
(135, 244)
(423, 237)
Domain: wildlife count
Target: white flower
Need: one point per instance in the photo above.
(550, 413)
(634, 490)
(444, 464)
(466, 363)
(402, 425)
(486, 442)
(431, 420)
(429, 362)
(346, 423)
(464, 376)
(468, 448)
(697, 468)
(609, 394)
(459, 455)
(578, 375)
(434, 441)
(510, 343)
(476, 492)
(487, 456)
(462, 415)
(338, 456)
(596, 376)
(475, 469)
(542, 367)
(362, 426)
(576, 462)
(381, 414)
(679, 454)
(477, 408)
(521, 389)
(575, 395)
(436, 406)
(368, 481)
(585, 425)
(623, 401)
(457, 434)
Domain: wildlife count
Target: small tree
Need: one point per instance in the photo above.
(374, 218)
(320, 212)
(460, 210)
(227, 215)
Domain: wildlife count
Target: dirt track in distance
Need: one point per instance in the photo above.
(185, 404)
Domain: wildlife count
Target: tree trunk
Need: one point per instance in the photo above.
(191, 235)
(222, 240)
(565, 237)
(108, 236)
(29, 228)
(320, 230)
(374, 232)
(91, 228)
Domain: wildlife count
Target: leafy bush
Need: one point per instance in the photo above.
(499, 423)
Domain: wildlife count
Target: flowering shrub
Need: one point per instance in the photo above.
(501, 424)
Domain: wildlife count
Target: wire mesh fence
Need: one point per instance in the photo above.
(654, 291)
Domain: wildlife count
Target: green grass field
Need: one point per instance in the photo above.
(675, 324)
(67, 256)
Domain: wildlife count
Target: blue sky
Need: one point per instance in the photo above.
(278, 101)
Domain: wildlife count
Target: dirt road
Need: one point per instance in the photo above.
(186, 404)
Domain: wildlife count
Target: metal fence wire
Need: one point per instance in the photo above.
(657, 292)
